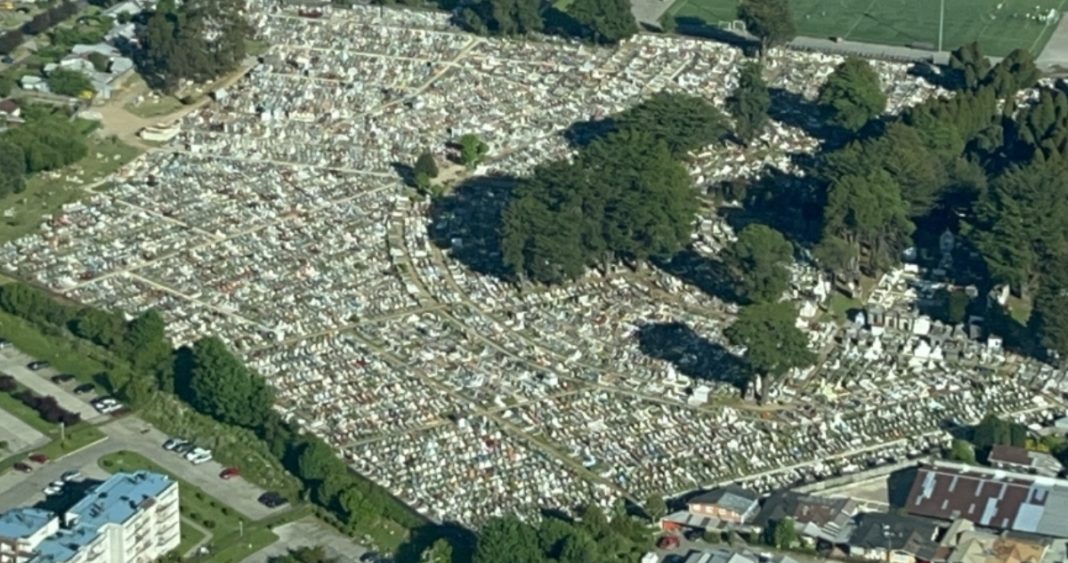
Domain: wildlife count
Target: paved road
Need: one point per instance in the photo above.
(14, 362)
(237, 492)
(309, 533)
(19, 436)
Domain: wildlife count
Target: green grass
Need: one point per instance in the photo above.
(840, 305)
(902, 22)
(234, 537)
(75, 437)
(45, 193)
(154, 107)
(1019, 309)
(190, 536)
(66, 354)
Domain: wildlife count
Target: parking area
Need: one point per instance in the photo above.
(17, 435)
(14, 362)
(23, 489)
(309, 533)
(138, 436)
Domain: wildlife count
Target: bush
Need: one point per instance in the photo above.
(7, 384)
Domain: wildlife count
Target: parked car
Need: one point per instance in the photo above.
(37, 364)
(183, 447)
(39, 458)
(198, 455)
(85, 388)
(668, 542)
(173, 443)
(229, 473)
(4, 344)
(58, 483)
(72, 475)
(52, 490)
(106, 405)
(271, 499)
(62, 378)
(22, 467)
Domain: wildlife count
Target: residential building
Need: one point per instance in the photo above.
(1023, 460)
(815, 518)
(730, 504)
(969, 545)
(889, 537)
(22, 530)
(130, 518)
(991, 498)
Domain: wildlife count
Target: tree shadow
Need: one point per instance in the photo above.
(692, 354)
(696, 27)
(561, 23)
(792, 204)
(793, 109)
(898, 485)
(467, 222)
(947, 78)
(405, 171)
(581, 133)
(461, 539)
(706, 273)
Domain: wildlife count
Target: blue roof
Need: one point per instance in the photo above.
(113, 501)
(118, 498)
(20, 523)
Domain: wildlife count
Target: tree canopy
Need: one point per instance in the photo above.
(196, 40)
(69, 83)
(220, 385)
(683, 122)
(853, 93)
(604, 21)
(757, 262)
(773, 343)
(503, 17)
(592, 538)
(750, 102)
(770, 21)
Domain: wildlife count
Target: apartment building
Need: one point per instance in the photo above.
(130, 518)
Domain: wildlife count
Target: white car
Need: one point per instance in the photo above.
(52, 490)
(58, 483)
(198, 455)
(72, 475)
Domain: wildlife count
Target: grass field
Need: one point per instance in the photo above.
(903, 22)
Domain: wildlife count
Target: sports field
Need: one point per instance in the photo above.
(999, 25)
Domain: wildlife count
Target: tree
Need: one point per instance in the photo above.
(439, 552)
(1049, 318)
(604, 21)
(969, 65)
(655, 507)
(684, 123)
(426, 164)
(1015, 72)
(836, 255)
(962, 451)
(750, 102)
(223, 388)
(869, 212)
(853, 94)
(503, 17)
(757, 262)
(770, 21)
(12, 168)
(196, 40)
(315, 554)
(773, 343)
(69, 83)
(954, 306)
(784, 534)
(472, 150)
(507, 539)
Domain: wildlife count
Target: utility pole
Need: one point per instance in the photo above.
(941, 23)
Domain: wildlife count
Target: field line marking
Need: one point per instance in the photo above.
(1060, 14)
(861, 16)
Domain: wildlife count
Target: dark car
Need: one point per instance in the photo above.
(37, 364)
(4, 344)
(84, 388)
(39, 458)
(22, 467)
(272, 500)
(62, 378)
(369, 557)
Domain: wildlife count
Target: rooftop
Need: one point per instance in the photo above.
(20, 523)
(118, 498)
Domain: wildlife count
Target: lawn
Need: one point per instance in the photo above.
(233, 536)
(46, 192)
(1017, 24)
(69, 355)
(74, 437)
(154, 105)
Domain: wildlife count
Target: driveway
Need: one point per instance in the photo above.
(138, 436)
(309, 532)
(14, 362)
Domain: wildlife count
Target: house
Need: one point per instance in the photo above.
(730, 504)
(816, 519)
(1014, 458)
(966, 544)
(889, 537)
(9, 110)
(992, 498)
